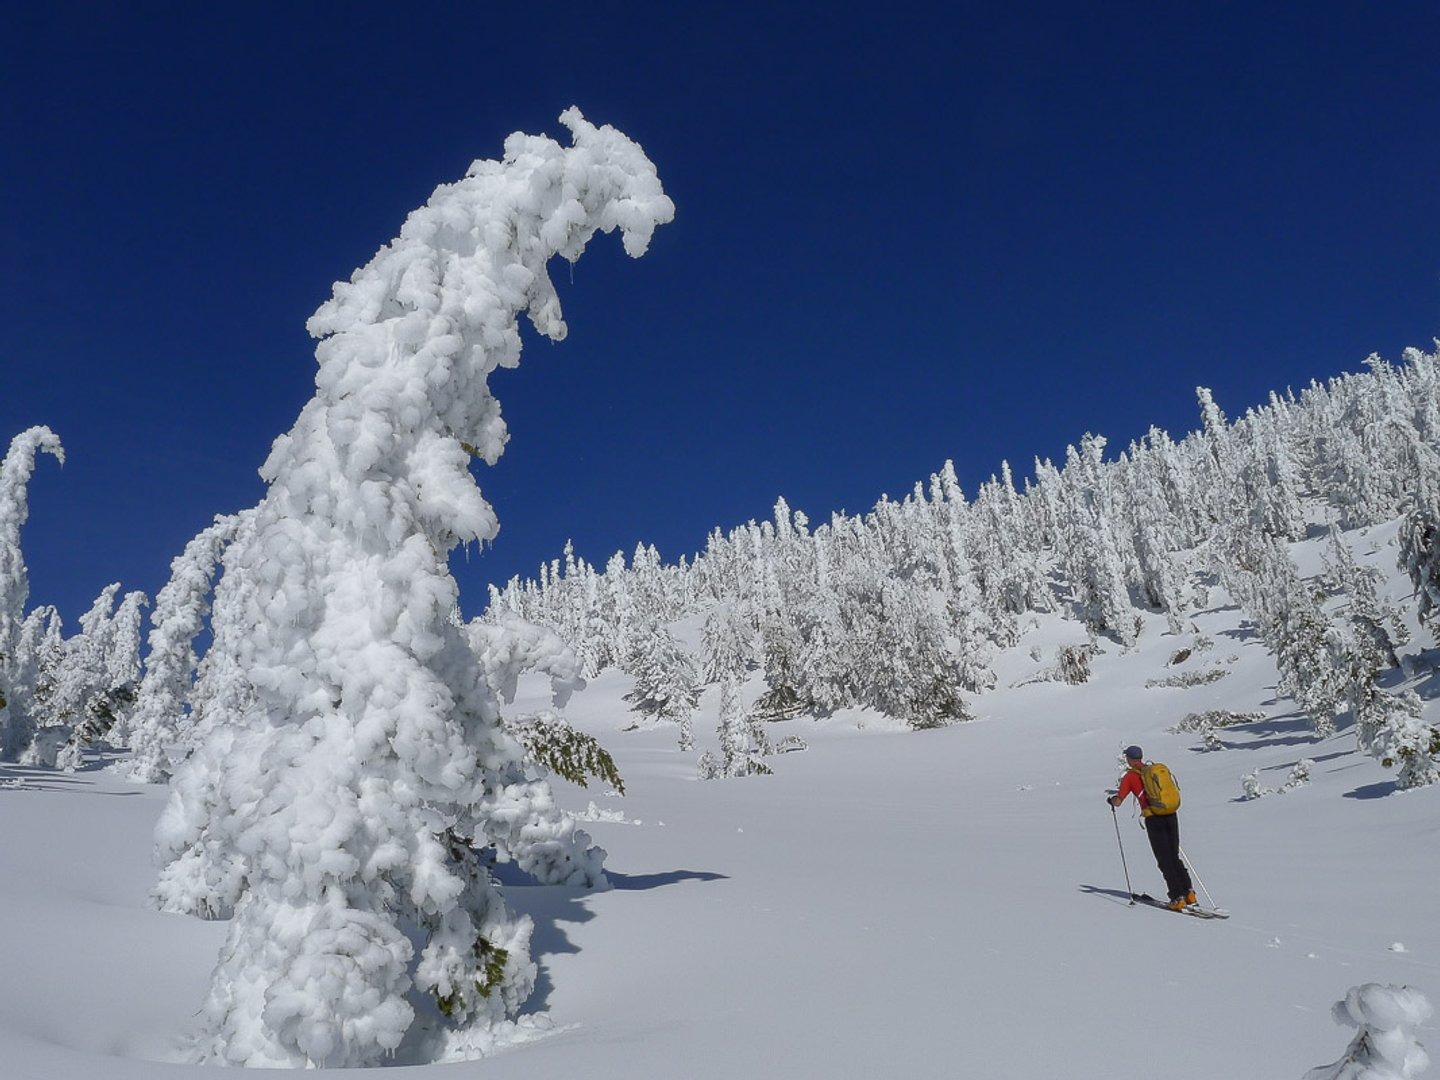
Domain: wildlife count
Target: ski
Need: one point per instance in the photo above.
(1194, 909)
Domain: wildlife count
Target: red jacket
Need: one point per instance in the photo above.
(1130, 785)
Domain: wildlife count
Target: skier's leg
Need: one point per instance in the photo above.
(1164, 832)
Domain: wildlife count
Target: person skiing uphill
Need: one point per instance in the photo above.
(1161, 826)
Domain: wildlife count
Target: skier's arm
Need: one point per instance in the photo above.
(1129, 785)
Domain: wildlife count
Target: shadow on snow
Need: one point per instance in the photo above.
(550, 906)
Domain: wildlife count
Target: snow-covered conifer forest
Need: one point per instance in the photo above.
(846, 772)
(904, 609)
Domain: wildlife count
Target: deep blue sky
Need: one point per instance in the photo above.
(917, 232)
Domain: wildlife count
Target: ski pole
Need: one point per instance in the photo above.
(1123, 864)
(1197, 877)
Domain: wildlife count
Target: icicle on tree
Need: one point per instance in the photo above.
(359, 762)
(180, 610)
(15, 473)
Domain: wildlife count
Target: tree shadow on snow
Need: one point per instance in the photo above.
(551, 905)
(548, 907)
(1285, 766)
(35, 778)
(1287, 729)
(634, 882)
(1246, 633)
(1374, 791)
(1429, 686)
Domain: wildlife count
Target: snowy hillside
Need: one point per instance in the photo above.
(889, 902)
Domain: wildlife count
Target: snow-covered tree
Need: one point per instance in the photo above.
(352, 762)
(1420, 559)
(742, 738)
(84, 684)
(1396, 732)
(1087, 543)
(667, 680)
(102, 665)
(727, 643)
(38, 669)
(181, 608)
(1385, 1046)
(905, 668)
(782, 658)
(1375, 624)
(15, 473)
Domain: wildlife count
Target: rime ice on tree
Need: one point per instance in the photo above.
(355, 759)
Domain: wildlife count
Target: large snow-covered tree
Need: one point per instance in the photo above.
(340, 795)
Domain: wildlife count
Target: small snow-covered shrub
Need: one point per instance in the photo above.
(1299, 775)
(1404, 739)
(1250, 785)
(1213, 718)
(1201, 644)
(1385, 1046)
(791, 743)
(1185, 679)
(1074, 665)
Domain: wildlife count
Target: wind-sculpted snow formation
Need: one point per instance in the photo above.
(901, 609)
(350, 759)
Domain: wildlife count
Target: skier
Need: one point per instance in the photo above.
(1163, 829)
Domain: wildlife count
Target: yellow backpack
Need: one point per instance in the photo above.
(1162, 793)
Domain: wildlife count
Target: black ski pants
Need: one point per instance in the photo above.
(1164, 833)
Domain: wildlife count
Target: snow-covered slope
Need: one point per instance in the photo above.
(889, 903)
